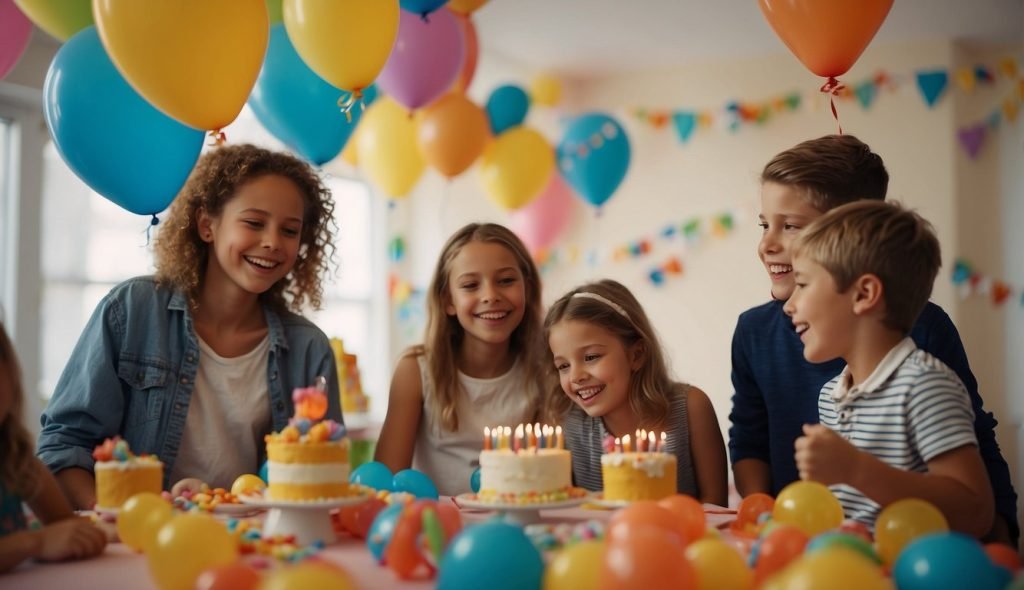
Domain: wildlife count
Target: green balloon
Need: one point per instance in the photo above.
(60, 18)
(274, 11)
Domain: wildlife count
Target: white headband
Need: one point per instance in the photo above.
(604, 300)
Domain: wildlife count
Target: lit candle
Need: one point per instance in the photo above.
(559, 438)
(542, 440)
(626, 447)
(661, 448)
(507, 432)
(530, 442)
(651, 445)
(536, 435)
(618, 445)
(641, 441)
(487, 438)
(517, 440)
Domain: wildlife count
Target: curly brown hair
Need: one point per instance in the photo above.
(17, 463)
(182, 256)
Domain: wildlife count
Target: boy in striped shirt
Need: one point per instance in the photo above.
(896, 422)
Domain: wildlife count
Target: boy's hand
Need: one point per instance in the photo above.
(825, 457)
(72, 538)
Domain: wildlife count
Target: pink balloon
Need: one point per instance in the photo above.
(540, 221)
(426, 59)
(15, 30)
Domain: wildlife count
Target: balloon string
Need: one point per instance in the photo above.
(152, 223)
(217, 138)
(348, 101)
(833, 87)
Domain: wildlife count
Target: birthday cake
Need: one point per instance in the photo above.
(645, 472)
(525, 467)
(308, 459)
(120, 474)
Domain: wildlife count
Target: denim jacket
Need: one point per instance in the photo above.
(133, 369)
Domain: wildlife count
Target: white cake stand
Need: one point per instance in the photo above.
(307, 521)
(519, 514)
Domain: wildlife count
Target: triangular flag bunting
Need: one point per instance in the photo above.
(1008, 67)
(1010, 110)
(982, 74)
(866, 94)
(685, 122)
(965, 77)
(932, 85)
(972, 138)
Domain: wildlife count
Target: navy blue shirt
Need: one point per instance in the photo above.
(776, 393)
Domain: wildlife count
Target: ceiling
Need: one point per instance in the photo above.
(600, 37)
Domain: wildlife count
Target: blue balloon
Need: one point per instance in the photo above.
(374, 475)
(383, 526)
(263, 472)
(507, 107)
(422, 7)
(474, 481)
(495, 551)
(594, 156)
(946, 560)
(300, 108)
(414, 482)
(110, 137)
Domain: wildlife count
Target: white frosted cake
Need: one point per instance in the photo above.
(529, 467)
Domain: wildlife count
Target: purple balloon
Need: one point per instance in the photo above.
(426, 59)
(15, 31)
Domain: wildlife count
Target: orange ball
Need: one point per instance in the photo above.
(644, 514)
(689, 513)
(753, 506)
(1004, 556)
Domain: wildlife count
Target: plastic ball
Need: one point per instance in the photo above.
(576, 567)
(847, 540)
(495, 551)
(140, 518)
(474, 481)
(718, 565)
(416, 483)
(946, 560)
(903, 521)
(379, 535)
(247, 484)
(374, 475)
(808, 505)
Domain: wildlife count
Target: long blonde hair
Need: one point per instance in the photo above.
(444, 333)
(612, 307)
(17, 466)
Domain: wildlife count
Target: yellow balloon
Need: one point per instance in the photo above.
(186, 546)
(60, 18)
(247, 484)
(308, 575)
(808, 505)
(576, 567)
(903, 521)
(346, 42)
(195, 60)
(140, 518)
(386, 142)
(546, 90)
(516, 166)
(465, 6)
(835, 568)
(350, 153)
(718, 565)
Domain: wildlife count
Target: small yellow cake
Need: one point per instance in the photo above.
(121, 474)
(638, 476)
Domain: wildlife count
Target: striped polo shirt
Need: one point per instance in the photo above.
(911, 409)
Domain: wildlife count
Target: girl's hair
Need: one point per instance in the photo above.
(17, 466)
(444, 333)
(611, 306)
(181, 256)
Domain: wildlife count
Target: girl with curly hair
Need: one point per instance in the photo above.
(196, 364)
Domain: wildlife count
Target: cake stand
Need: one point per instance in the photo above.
(307, 521)
(519, 514)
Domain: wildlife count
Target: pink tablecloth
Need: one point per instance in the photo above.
(119, 567)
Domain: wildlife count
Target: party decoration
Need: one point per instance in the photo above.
(15, 31)
(346, 42)
(777, 549)
(263, 472)
(648, 557)
(164, 48)
(426, 59)
(275, 11)
(474, 481)
(846, 541)
(140, 518)
(546, 90)
(374, 475)
(235, 576)
(470, 56)
(382, 529)
(60, 18)
(507, 107)
(645, 514)
(465, 6)
(808, 505)
(688, 513)
(423, 531)
(109, 136)
(903, 521)
(972, 138)
(174, 560)
(718, 565)
(827, 37)
(309, 574)
(247, 484)
(932, 84)
(414, 482)
(358, 519)
(753, 506)
(298, 107)
(387, 148)
(1003, 556)
(835, 568)
(422, 7)
(543, 219)
(452, 133)
(515, 167)
(495, 551)
(944, 561)
(576, 567)
(594, 156)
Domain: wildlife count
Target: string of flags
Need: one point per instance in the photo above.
(931, 83)
(971, 282)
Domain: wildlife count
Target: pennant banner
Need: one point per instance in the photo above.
(971, 282)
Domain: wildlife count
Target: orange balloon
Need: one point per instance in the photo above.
(1003, 555)
(649, 558)
(465, 6)
(827, 36)
(689, 513)
(452, 133)
(781, 546)
(644, 514)
(468, 70)
(753, 506)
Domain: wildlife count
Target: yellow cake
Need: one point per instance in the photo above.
(638, 476)
(120, 474)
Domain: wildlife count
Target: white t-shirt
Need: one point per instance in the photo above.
(450, 458)
(228, 415)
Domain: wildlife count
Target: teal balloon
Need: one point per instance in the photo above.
(374, 475)
(109, 136)
(300, 108)
(946, 561)
(421, 7)
(593, 157)
(381, 530)
(263, 472)
(474, 481)
(414, 482)
(495, 551)
(507, 107)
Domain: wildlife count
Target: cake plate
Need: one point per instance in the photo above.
(307, 521)
(520, 514)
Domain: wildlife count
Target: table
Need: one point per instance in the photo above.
(121, 568)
